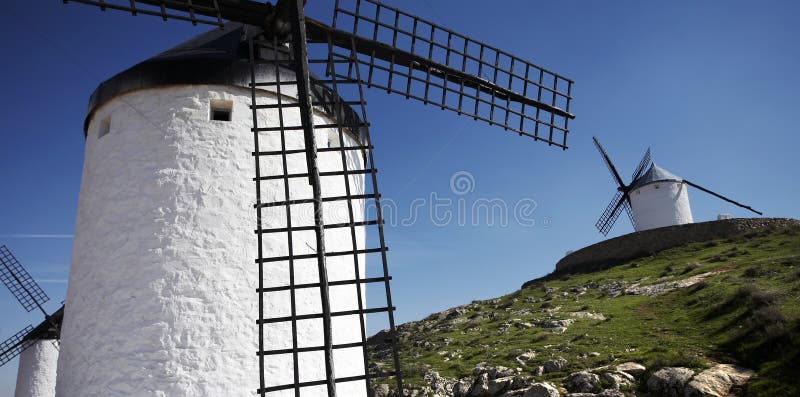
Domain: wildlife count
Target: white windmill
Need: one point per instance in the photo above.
(654, 198)
(188, 153)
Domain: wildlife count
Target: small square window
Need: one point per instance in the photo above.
(105, 127)
(221, 110)
(333, 138)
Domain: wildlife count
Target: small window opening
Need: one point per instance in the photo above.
(333, 138)
(105, 127)
(221, 110)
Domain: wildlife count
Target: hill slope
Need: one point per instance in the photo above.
(722, 301)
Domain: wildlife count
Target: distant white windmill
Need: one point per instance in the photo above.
(654, 198)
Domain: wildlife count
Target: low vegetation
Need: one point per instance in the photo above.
(724, 301)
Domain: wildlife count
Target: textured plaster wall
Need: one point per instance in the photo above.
(36, 375)
(638, 244)
(661, 204)
(162, 291)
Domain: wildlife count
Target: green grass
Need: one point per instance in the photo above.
(748, 313)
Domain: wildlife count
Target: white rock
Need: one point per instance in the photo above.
(717, 381)
(669, 382)
(543, 389)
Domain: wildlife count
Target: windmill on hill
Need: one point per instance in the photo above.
(220, 242)
(654, 197)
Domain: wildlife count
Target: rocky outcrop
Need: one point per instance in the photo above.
(618, 380)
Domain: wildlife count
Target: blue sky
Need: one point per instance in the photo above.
(711, 86)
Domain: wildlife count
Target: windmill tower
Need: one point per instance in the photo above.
(37, 347)
(654, 198)
(259, 125)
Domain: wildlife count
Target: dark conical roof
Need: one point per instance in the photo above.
(655, 174)
(219, 56)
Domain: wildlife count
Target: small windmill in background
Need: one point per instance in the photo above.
(41, 340)
(653, 198)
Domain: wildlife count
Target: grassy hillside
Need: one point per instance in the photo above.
(722, 301)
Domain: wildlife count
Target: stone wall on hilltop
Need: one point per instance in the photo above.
(638, 244)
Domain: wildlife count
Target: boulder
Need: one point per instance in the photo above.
(618, 379)
(669, 382)
(500, 372)
(498, 385)
(439, 385)
(382, 390)
(480, 388)
(555, 365)
(632, 368)
(717, 381)
(582, 382)
(543, 389)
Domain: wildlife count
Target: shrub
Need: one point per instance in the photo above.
(753, 272)
(690, 267)
(698, 286)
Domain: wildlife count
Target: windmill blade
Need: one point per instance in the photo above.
(407, 55)
(722, 197)
(611, 213)
(642, 165)
(13, 346)
(20, 282)
(609, 164)
(207, 12)
(628, 210)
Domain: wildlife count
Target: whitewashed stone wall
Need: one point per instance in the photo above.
(162, 289)
(661, 204)
(36, 375)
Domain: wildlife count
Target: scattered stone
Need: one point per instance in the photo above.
(582, 382)
(555, 365)
(669, 382)
(593, 316)
(557, 323)
(523, 358)
(663, 288)
(543, 389)
(717, 381)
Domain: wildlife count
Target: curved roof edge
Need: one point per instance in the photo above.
(655, 174)
(217, 57)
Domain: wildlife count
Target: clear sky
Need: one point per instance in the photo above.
(711, 86)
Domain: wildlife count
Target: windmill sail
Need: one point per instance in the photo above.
(642, 166)
(437, 66)
(20, 282)
(13, 346)
(347, 121)
(747, 207)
